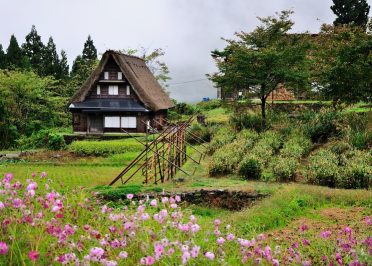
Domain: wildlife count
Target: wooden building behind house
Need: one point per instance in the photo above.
(121, 93)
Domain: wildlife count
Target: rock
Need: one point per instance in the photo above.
(56, 156)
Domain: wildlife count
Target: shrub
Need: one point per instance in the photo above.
(226, 159)
(355, 176)
(250, 168)
(201, 132)
(209, 105)
(105, 148)
(357, 170)
(249, 137)
(222, 137)
(322, 126)
(323, 168)
(56, 142)
(284, 169)
(360, 139)
(296, 146)
(340, 147)
(247, 120)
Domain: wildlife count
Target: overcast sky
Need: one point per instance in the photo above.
(186, 29)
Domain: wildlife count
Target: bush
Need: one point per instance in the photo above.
(56, 142)
(186, 109)
(222, 137)
(320, 127)
(247, 120)
(249, 137)
(296, 146)
(250, 168)
(357, 170)
(105, 148)
(284, 169)
(202, 132)
(226, 159)
(209, 105)
(323, 168)
(360, 139)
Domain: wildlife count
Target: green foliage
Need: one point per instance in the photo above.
(268, 145)
(323, 168)
(263, 59)
(14, 55)
(29, 104)
(284, 168)
(323, 125)
(2, 58)
(186, 109)
(104, 148)
(222, 137)
(247, 120)
(209, 105)
(89, 51)
(249, 137)
(51, 64)
(226, 159)
(117, 193)
(56, 142)
(360, 140)
(351, 12)
(33, 48)
(201, 132)
(250, 168)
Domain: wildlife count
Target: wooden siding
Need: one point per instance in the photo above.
(80, 123)
(122, 92)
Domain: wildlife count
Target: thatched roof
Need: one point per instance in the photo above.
(139, 77)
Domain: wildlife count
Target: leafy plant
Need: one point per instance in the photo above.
(284, 169)
(250, 168)
(56, 142)
(323, 168)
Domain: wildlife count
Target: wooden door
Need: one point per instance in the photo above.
(95, 124)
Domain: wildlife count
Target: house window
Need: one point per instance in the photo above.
(120, 76)
(113, 90)
(128, 90)
(106, 75)
(98, 90)
(129, 122)
(112, 121)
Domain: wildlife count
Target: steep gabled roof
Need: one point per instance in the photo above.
(138, 75)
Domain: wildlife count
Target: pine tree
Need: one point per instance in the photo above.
(63, 66)
(34, 49)
(89, 51)
(2, 58)
(351, 12)
(50, 59)
(14, 57)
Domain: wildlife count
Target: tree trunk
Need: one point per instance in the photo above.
(263, 111)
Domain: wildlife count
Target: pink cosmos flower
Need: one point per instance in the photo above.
(305, 242)
(159, 249)
(368, 220)
(128, 226)
(130, 196)
(154, 203)
(32, 186)
(220, 241)
(185, 257)
(173, 206)
(164, 200)
(145, 216)
(2, 205)
(217, 222)
(149, 260)
(104, 209)
(304, 227)
(170, 251)
(209, 255)
(17, 203)
(195, 251)
(33, 255)
(33, 175)
(230, 237)
(325, 234)
(177, 198)
(8, 177)
(123, 255)
(3, 248)
(43, 174)
(195, 228)
(96, 253)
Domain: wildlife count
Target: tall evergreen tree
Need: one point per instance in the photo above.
(351, 12)
(50, 59)
(63, 66)
(14, 57)
(89, 51)
(2, 58)
(34, 49)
